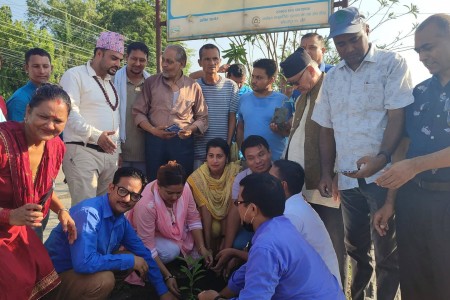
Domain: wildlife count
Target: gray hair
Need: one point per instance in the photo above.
(180, 56)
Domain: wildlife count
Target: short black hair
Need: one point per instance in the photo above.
(314, 34)
(254, 141)
(171, 173)
(129, 172)
(291, 172)
(36, 51)
(268, 65)
(266, 192)
(207, 46)
(137, 46)
(237, 70)
(50, 92)
(442, 21)
(218, 143)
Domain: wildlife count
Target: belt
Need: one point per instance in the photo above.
(432, 185)
(92, 146)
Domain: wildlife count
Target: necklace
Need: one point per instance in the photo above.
(113, 107)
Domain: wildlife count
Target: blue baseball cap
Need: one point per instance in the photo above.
(346, 20)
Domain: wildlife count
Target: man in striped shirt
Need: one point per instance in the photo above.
(222, 97)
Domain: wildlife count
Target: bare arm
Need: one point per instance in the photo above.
(231, 126)
(206, 221)
(240, 133)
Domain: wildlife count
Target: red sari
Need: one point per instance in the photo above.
(26, 271)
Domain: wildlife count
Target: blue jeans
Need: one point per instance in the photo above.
(358, 206)
(159, 151)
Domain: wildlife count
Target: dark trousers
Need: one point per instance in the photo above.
(332, 218)
(423, 228)
(159, 151)
(358, 206)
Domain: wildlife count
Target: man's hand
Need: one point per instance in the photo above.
(335, 189)
(29, 214)
(222, 259)
(168, 296)
(398, 174)
(367, 166)
(68, 225)
(106, 143)
(162, 133)
(207, 256)
(173, 286)
(283, 131)
(381, 218)
(140, 265)
(186, 132)
(326, 186)
(208, 295)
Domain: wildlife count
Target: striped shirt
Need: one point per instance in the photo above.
(221, 98)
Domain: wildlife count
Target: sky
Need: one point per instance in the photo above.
(385, 33)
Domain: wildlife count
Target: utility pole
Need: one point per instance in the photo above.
(158, 34)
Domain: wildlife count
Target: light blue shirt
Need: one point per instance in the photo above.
(283, 266)
(100, 234)
(257, 114)
(18, 102)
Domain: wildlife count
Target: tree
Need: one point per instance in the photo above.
(278, 46)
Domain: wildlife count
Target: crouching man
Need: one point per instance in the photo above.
(88, 268)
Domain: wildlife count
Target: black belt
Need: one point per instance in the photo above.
(92, 146)
(432, 185)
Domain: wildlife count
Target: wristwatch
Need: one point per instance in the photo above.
(386, 155)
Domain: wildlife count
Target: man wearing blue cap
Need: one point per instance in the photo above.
(360, 109)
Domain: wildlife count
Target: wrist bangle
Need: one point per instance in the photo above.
(4, 216)
(168, 277)
(61, 210)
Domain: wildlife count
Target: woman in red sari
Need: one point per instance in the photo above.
(30, 157)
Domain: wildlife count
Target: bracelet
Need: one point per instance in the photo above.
(61, 210)
(168, 277)
(4, 216)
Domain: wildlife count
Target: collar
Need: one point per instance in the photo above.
(106, 208)
(178, 82)
(31, 85)
(214, 84)
(318, 85)
(92, 72)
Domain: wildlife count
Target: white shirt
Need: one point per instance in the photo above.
(355, 104)
(296, 153)
(311, 227)
(91, 114)
(2, 117)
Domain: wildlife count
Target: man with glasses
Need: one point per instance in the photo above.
(423, 178)
(89, 267)
(360, 108)
(303, 73)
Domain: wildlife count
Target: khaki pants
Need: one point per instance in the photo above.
(75, 286)
(88, 172)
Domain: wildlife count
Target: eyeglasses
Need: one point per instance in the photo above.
(123, 192)
(296, 83)
(237, 202)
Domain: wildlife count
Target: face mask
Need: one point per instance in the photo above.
(248, 226)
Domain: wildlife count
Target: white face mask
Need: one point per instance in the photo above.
(245, 214)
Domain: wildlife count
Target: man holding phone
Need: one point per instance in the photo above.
(170, 109)
(360, 109)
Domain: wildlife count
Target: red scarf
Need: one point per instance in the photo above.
(27, 271)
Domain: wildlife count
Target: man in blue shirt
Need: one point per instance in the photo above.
(281, 264)
(237, 73)
(38, 66)
(87, 267)
(423, 178)
(258, 108)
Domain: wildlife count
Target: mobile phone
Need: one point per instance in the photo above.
(349, 171)
(173, 128)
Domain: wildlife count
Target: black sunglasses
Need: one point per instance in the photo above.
(123, 192)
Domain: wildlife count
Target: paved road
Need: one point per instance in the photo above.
(62, 190)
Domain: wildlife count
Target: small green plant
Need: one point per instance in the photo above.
(193, 270)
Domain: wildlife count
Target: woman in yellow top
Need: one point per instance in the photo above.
(211, 186)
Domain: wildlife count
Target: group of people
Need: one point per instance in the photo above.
(323, 177)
